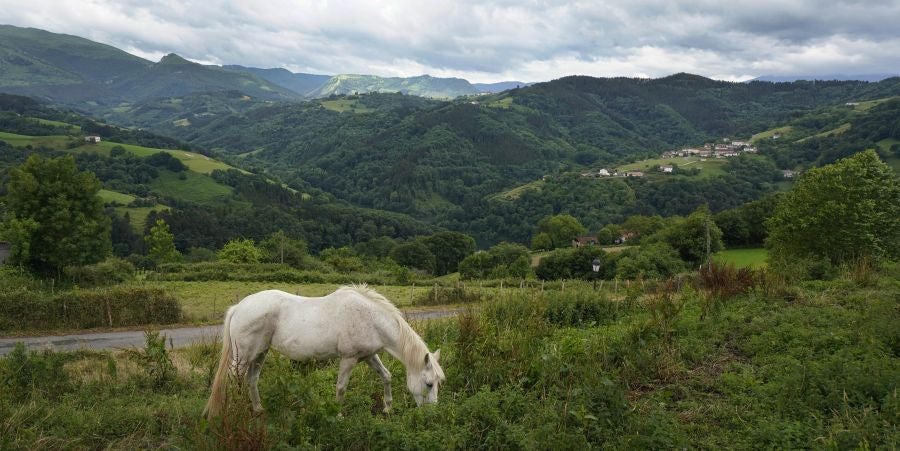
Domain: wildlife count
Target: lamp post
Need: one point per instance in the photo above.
(595, 265)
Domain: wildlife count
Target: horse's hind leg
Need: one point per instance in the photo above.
(347, 364)
(253, 370)
(379, 368)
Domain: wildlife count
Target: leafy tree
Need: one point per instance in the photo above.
(18, 233)
(643, 225)
(573, 263)
(414, 255)
(541, 242)
(343, 259)
(449, 248)
(60, 207)
(608, 234)
(476, 266)
(240, 251)
(281, 248)
(161, 244)
(843, 211)
(652, 260)
(562, 229)
(690, 236)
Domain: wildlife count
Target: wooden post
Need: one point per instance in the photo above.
(563, 286)
(109, 313)
(435, 292)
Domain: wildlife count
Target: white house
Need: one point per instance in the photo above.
(92, 139)
(666, 169)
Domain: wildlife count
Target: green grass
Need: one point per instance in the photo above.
(709, 167)
(52, 142)
(754, 258)
(769, 133)
(342, 105)
(867, 105)
(504, 103)
(138, 215)
(113, 196)
(836, 131)
(199, 188)
(207, 301)
(74, 128)
(194, 161)
(515, 193)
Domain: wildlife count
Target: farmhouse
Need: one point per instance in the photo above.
(92, 139)
(585, 240)
(788, 174)
(667, 169)
(634, 174)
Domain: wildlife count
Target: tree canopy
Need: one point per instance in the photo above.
(65, 220)
(842, 211)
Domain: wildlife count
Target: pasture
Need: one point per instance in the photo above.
(743, 258)
(708, 167)
(648, 368)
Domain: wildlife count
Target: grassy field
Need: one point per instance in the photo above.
(785, 367)
(515, 193)
(769, 133)
(194, 161)
(709, 167)
(53, 142)
(837, 131)
(864, 106)
(74, 128)
(342, 105)
(195, 187)
(754, 258)
(207, 301)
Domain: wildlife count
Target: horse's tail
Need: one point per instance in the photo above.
(217, 397)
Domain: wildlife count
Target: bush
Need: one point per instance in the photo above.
(438, 295)
(583, 308)
(108, 272)
(79, 309)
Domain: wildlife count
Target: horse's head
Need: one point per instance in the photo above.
(424, 384)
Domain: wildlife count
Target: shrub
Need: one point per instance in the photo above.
(723, 282)
(120, 306)
(581, 308)
(108, 272)
(438, 295)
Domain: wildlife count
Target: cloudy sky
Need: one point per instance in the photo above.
(487, 41)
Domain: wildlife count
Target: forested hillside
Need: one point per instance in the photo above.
(444, 162)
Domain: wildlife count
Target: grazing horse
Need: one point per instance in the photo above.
(353, 323)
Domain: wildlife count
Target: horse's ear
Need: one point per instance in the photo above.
(426, 357)
(437, 355)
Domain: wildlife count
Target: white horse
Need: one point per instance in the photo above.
(353, 323)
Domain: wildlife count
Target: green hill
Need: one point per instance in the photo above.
(423, 86)
(300, 83)
(73, 70)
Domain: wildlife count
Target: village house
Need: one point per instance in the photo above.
(788, 174)
(625, 237)
(666, 169)
(634, 174)
(92, 139)
(585, 240)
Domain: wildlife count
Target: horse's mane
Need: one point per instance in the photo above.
(410, 345)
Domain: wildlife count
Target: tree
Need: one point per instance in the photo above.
(281, 248)
(414, 255)
(449, 248)
(843, 211)
(18, 233)
(693, 237)
(476, 266)
(240, 251)
(541, 242)
(562, 229)
(609, 234)
(63, 211)
(161, 244)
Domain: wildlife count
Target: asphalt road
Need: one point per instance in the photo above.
(176, 337)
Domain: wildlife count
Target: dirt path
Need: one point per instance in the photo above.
(176, 337)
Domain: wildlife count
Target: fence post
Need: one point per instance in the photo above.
(108, 313)
(563, 289)
(435, 293)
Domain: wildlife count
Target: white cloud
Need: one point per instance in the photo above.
(491, 41)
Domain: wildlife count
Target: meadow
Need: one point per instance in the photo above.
(743, 258)
(678, 364)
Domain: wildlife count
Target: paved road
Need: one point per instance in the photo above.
(176, 337)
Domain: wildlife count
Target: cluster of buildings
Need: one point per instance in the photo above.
(709, 150)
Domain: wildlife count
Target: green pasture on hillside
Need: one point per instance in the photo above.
(52, 142)
(341, 105)
(74, 128)
(194, 161)
(770, 133)
(742, 258)
(515, 193)
(199, 188)
(113, 196)
(709, 167)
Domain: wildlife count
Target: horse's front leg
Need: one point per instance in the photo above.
(347, 364)
(379, 368)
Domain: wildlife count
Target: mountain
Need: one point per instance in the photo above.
(93, 76)
(501, 86)
(423, 86)
(300, 83)
(839, 77)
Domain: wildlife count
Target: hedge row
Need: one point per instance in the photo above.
(110, 307)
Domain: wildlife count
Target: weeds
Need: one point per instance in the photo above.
(721, 283)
